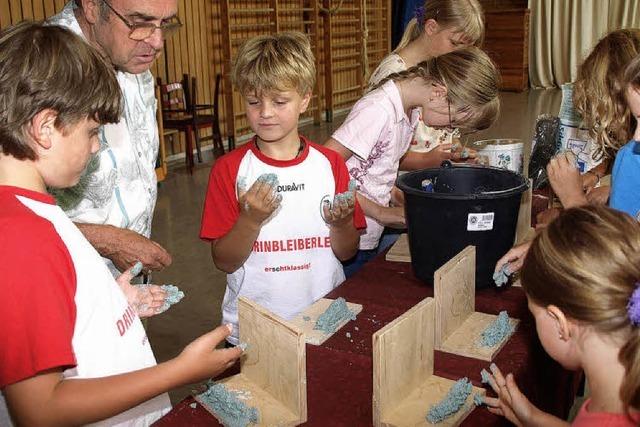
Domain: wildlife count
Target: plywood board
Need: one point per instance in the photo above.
(270, 411)
(454, 291)
(413, 410)
(313, 336)
(275, 360)
(402, 358)
(399, 252)
(464, 340)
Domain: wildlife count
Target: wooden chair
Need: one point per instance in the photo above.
(206, 115)
(161, 163)
(176, 115)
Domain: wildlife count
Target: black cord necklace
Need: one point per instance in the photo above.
(300, 148)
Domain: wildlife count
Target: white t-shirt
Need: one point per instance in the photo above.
(378, 132)
(292, 264)
(66, 311)
(122, 192)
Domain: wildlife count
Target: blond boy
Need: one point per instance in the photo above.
(278, 211)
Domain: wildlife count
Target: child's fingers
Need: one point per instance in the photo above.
(217, 335)
(515, 395)
(125, 278)
(491, 402)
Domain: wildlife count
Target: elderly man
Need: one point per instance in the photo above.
(113, 205)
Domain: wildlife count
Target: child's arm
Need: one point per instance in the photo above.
(344, 152)
(389, 216)
(514, 406)
(230, 251)
(49, 400)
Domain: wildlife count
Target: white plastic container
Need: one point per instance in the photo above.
(501, 153)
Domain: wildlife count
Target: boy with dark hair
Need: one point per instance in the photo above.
(72, 349)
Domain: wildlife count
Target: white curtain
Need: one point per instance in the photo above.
(562, 32)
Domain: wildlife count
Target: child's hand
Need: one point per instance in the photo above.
(340, 212)
(565, 179)
(515, 258)
(460, 153)
(145, 299)
(510, 403)
(200, 360)
(397, 197)
(598, 195)
(261, 200)
(392, 216)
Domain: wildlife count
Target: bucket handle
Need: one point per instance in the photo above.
(446, 164)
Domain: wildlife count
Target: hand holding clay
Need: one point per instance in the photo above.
(565, 180)
(340, 212)
(145, 299)
(261, 200)
(514, 258)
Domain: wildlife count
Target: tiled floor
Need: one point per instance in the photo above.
(177, 222)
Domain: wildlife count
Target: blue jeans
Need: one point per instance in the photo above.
(361, 258)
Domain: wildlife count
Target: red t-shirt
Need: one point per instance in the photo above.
(60, 307)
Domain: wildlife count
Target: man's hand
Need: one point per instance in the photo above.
(125, 247)
(145, 299)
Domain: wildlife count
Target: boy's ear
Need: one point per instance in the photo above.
(431, 27)
(562, 324)
(305, 102)
(42, 127)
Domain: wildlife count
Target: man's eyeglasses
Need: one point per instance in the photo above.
(143, 30)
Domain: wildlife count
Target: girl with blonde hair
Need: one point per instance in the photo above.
(457, 89)
(599, 97)
(439, 27)
(582, 280)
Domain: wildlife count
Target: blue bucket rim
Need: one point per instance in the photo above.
(489, 195)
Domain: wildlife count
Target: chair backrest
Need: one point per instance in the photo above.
(174, 97)
(193, 90)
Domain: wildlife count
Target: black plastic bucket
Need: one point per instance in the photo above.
(469, 205)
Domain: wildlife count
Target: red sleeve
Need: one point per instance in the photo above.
(342, 178)
(37, 307)
(221, 210)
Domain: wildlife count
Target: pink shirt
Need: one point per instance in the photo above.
(378, 132)
(603, 419)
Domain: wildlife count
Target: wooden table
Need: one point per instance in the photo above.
(339, 372)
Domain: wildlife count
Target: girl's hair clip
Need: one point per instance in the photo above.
(633, 307)
(420, 13)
